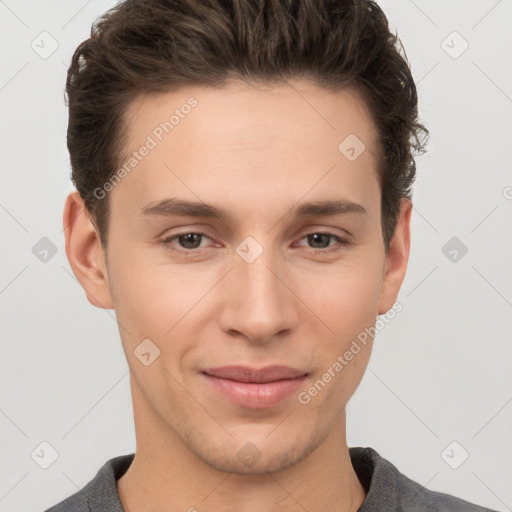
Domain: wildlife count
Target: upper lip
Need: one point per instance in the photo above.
(261, 375)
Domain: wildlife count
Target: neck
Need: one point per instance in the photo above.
(166, 475)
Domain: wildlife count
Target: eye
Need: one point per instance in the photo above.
(187, 241)
(320, 242)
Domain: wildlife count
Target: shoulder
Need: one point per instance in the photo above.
(389, 490)
(100, 494)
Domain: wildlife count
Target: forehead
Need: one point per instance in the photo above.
(258, 140)
(244, 112)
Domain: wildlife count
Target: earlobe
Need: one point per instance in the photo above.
(397, 258)
(85, 253)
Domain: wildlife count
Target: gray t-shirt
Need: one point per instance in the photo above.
(387, 489)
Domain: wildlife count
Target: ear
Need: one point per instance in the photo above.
(85, 253)
(396, 258)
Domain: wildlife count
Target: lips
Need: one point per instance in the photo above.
(255, 388)
(246, 374)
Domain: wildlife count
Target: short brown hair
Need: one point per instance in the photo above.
(144, 46)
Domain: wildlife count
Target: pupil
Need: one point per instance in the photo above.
(188, 240)
(315, 237)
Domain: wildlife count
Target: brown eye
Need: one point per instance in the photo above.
(190, 240)
(320, 242)
(185, 241)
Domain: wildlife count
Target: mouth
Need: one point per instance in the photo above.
(255, 388)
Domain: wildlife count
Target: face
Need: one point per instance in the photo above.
(245, 248)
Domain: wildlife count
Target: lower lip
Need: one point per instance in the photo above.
(256, 395)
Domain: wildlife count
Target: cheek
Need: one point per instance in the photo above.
(163, 303)
(348, 299)
(347, 302)
(149, 299)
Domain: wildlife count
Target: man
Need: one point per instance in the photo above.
(243, 174)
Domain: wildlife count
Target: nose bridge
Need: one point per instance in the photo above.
(258, 305)
(260, 281)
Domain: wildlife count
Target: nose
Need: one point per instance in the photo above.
(259, 304)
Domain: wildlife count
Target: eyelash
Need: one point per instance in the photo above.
(341, 242)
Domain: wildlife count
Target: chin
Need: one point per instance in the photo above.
(259, 456)
(254, 463)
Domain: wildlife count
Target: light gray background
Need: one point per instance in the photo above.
(440, 371)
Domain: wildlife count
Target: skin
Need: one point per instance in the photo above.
(257, 152)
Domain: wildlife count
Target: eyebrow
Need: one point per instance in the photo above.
(183, 208)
